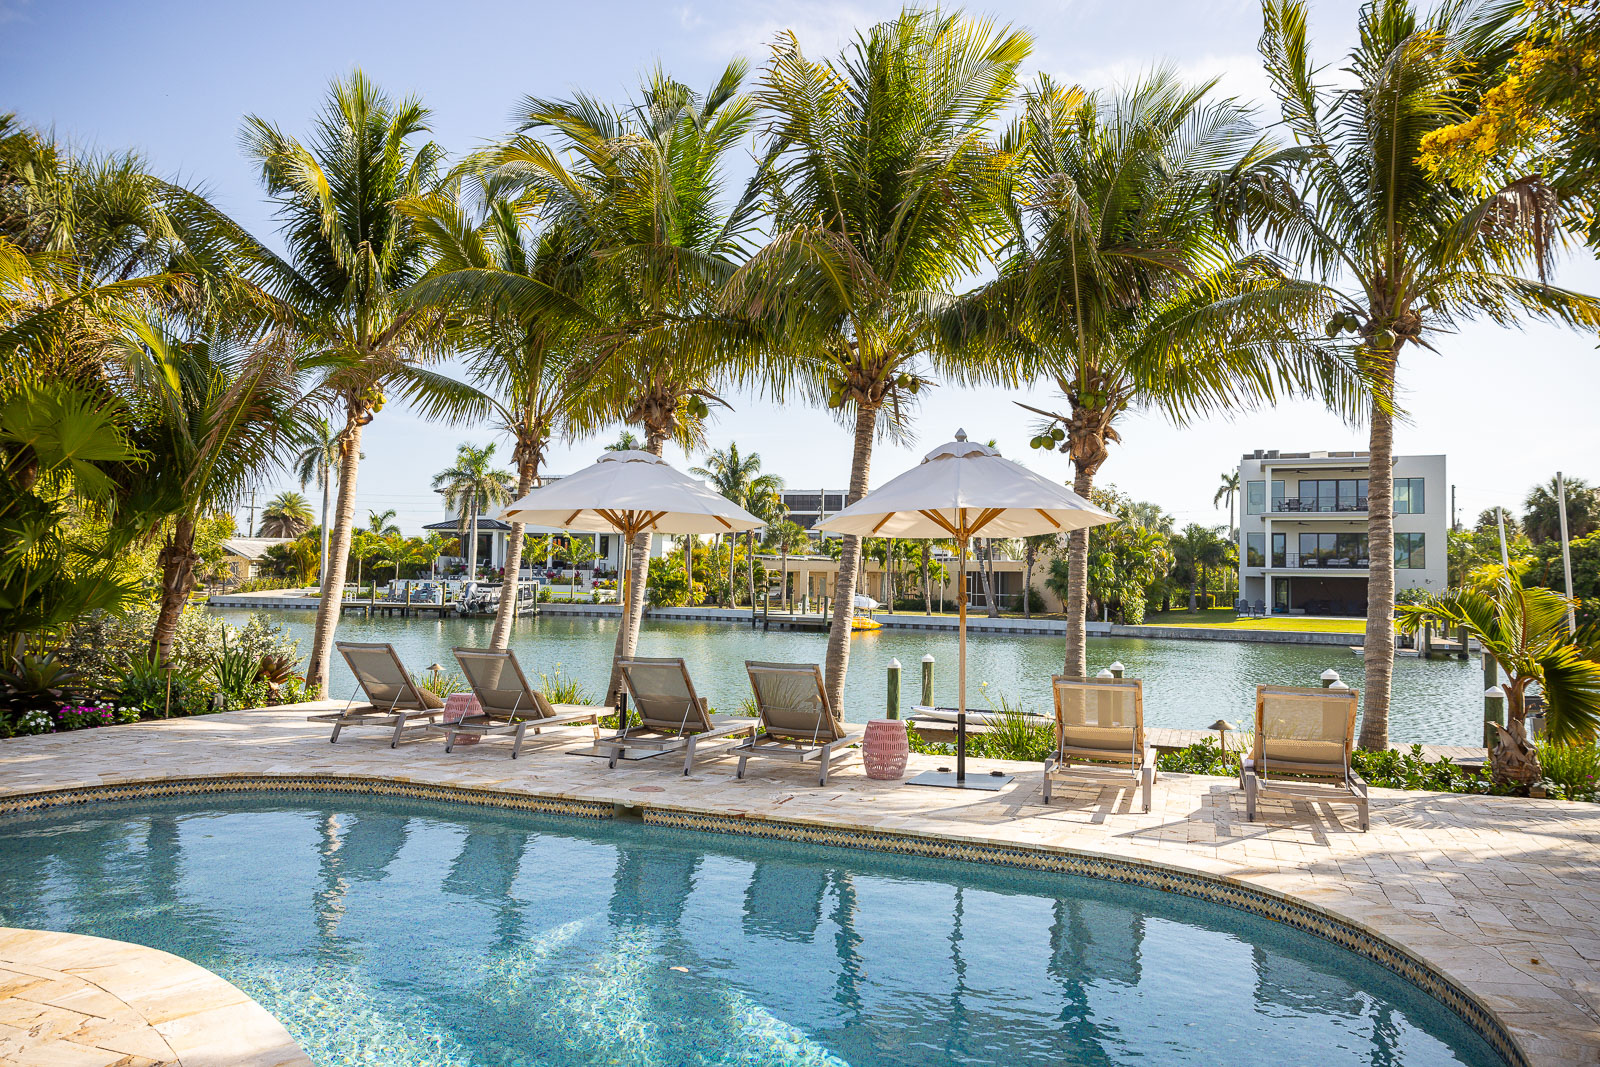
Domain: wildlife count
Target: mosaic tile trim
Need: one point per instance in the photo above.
(172, 787)
(1279, 909)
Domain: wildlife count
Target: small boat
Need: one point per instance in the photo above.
(863, 623)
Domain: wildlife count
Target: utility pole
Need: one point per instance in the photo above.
(250, 529)
(1454, 523)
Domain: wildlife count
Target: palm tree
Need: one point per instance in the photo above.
(1228, 490)
(1031, 547)
(286, 515)
(879, 172)
(627, 441)
(351, 255)
(319, 461)
(1525, 630)
(637, 191)
(469, 486)
(381, 523)
(1541, 519)
(215, 410)
(739, 478)
(1402, 256)
(785, 537)
(494, 273)
(1122, 287)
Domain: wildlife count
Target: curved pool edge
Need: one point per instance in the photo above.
(95, 995)
(1391, 940)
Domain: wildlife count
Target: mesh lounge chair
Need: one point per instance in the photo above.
(671, 716)
(1100, 727)
(393, 699)
(796, 721)
(1302, 748)
(510, 705)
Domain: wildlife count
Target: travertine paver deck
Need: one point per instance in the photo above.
(1501, 895)
(72, 1001)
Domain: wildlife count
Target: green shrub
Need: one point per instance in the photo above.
(442, 684)
(1014, 737)
(1202, 757)
(559, 689)
(1571, 771)
(100, 645)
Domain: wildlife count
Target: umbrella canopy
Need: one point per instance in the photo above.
(963, 489)
(633, 492)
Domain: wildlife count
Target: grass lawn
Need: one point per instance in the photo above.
(1228, 619)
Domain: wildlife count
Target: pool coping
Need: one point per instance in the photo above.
(1376, 945)
(89, 995)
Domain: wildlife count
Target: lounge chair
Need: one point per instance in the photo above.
(510, 705)
(797, 722)
(1302, 748)
(393, 699)
(671, 716)
(1100, 728)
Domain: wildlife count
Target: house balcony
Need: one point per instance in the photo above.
(1293, 561)
(1310, 509)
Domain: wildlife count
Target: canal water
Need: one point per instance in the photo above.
(1187, 684)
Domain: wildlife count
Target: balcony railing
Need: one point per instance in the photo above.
(1295, 561)
(1298, 506)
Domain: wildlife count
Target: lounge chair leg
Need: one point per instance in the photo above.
(1047, 769)
(1251, 784)
(615, 753)
(1147, 777)
(449, 740)
(740, 772)
(399, 728)
(516, 745)
(827, 754)
(334, 740)
(688, 759)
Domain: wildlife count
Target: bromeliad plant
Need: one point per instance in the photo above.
(1525, 630)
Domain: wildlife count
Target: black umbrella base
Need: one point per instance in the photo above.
(988, 783)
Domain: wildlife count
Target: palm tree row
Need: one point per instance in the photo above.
(1152, 250)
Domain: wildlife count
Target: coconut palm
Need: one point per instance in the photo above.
(879, 173)
(627, 441)
(352, 253)
(216, 409)
(1402, 255)
(492, 272)
(1525, 630)
(1122, 286)
(637, 192)
(739, 478)
(1228, 490)
(470, 485)
(286, 515)
(318, 461)
(1541, 519)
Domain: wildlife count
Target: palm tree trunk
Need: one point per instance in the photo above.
(750, 567)
(500, 636)
(1027, 581)
(927, 582)
(338, 556)
(177, 578)
(844, 582)
(1378, 649)
(785, 547)
(322, 571)
(1077, 659)
(986, 573)
(472, 540)
(732, 541)
(638, 572)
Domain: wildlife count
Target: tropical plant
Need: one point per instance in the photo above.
(1541, 519)
(1228, 491)
(1401, 255)
(627, 441)
(783, 538)
(1031, 547)
(469, 486)
(879, 171)
(318, 462)
(351, 255)
(286, 515)
(1123, 286)
(577, 552)
(739, 478)
(34, 678)
(1525, 630)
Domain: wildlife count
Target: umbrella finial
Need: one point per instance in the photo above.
(961, 435)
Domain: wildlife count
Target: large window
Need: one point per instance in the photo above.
(1277, 494)
(1255, 497)
(1333, 494)
(1280, 549)
(1408, 497)
(1408, 549)
(1255, 550)
(1333, 550)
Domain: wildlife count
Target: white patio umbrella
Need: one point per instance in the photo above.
(962, 490)
(632, 492)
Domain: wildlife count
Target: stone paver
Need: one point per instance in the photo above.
(1500, 895)
(77, 1001)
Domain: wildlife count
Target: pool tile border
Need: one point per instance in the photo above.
(1217, 890)
(1129, 872)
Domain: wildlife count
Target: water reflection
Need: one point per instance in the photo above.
(442, 937)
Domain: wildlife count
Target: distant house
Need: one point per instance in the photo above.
(242, 556)
(493, 533)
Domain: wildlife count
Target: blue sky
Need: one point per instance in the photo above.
(174, 80)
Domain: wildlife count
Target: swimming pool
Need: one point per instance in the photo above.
(398, 932)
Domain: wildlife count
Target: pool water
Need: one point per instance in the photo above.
(406, 933)
(1187, 684)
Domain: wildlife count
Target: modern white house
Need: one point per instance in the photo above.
(492, 535)
(807, 507)
(1303, 529)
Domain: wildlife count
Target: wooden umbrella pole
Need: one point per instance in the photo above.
(961, 655)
